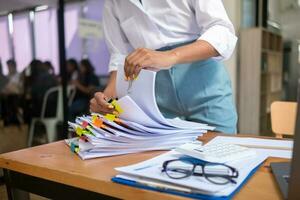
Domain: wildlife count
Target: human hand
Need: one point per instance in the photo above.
(148, 59)
(99, 104)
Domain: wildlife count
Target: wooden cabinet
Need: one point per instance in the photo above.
(260, 78)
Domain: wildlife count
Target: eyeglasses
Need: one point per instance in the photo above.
(216, 173)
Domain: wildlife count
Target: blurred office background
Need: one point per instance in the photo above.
(264, 67)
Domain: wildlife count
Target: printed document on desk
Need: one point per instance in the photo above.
(150, 170)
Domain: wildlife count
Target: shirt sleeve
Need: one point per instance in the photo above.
(216, 28)
(115, 39)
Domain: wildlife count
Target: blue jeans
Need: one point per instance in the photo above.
(199, 91)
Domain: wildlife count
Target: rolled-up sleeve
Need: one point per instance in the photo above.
(115, 39)
(216, 28)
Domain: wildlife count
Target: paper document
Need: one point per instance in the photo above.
(142, 92)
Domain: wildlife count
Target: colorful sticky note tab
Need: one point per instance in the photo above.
(84, 138)
(73, 147)
(117, 106)
(84, 124)
(98, 122)
(76, 150)
(79, 130)
(110, 117)
(94, 117)
(84, 132)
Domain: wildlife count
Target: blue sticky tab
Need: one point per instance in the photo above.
(73, 147)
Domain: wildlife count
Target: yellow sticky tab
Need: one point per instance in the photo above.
(79, 131)
(117, 106)
(77, 149)
(94, 117)
(110, 117)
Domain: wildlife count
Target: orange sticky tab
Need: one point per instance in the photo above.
(110, 117)
(117, 106)
(98, 122)
(118, 120)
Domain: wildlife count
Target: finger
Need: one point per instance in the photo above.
(127, 62)
(101, 100)
(95, 107)
(141, 64)
(126, 66)
(134, 62)
(133, 53)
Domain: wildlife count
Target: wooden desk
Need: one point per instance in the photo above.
(53, 171)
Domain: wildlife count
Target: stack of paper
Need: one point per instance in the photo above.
(140, 126)
(149, 175)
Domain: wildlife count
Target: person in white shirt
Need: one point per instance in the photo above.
(14, 85)
(186, 42)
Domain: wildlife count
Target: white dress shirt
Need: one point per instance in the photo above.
(128, 25)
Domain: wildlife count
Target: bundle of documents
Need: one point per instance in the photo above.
(149, 175)
(139, 127)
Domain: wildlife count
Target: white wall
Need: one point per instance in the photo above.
(287, 13)
(233, 9)
(290, 24)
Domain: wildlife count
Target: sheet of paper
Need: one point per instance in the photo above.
(142, 92)
(269, 143)
(132, 112)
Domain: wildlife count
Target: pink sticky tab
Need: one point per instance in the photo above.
(84, 124)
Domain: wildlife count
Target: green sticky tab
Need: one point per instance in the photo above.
(76, 150)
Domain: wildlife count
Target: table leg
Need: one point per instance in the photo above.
(13, 193)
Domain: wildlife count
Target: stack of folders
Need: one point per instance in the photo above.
(150, 175)
(139, 127)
